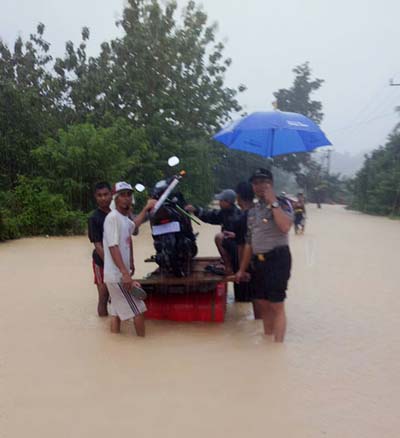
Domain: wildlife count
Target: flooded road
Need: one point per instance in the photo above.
(63, 374)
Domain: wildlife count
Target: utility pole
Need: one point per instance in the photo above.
(328, 164)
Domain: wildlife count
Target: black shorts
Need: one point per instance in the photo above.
(231, 247)
(271, 274)
(244, 291)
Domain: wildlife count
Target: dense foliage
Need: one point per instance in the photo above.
(376, 187)
(158, 90)
(316, 181)
(32, 209)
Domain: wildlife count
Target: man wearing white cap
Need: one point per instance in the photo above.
(118, 259)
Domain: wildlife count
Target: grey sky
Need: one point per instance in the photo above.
(351, 44)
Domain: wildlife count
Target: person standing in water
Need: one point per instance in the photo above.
(245, 200)
(268, 225)
(299, 214)
(103, 197)
(118, 260)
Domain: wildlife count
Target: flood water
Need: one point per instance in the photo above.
(63, 374)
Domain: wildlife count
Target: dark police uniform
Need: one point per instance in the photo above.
(271, 260)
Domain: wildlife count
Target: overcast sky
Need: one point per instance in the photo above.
(352, 44)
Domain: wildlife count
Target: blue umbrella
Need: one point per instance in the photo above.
(273, 133)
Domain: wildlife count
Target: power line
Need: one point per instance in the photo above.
(367, 107)
(371, 113)
(363, 122)
(384, 101)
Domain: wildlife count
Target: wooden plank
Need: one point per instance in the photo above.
(193, 279)
(196, 259)
(198, 275)
(207, 259)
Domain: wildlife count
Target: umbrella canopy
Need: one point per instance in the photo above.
(273, 133)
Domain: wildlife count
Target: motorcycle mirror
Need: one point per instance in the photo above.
(173, 161)
(140, 187)
(161, 184)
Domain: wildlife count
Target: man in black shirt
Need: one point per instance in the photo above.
(103, 196)
(227, 217)
(245, 200)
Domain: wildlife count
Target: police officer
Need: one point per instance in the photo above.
(268, 225)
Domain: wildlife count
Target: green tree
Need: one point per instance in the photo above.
(156, 91)
(85, 82)
(78, 158)
(28, 104)
(164, 75)
(169, 74)
(31, 209)
(237, 165)
(309, 174)
(298, 99)
(376, 187)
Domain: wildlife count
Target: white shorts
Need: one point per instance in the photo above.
(123, 303)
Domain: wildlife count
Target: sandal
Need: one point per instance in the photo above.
(139, 293)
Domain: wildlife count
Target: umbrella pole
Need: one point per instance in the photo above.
(271, 149)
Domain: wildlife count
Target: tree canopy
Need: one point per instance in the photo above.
(376, 187)
(158, 90)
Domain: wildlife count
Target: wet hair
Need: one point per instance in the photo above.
(245, 190)
(102, 185)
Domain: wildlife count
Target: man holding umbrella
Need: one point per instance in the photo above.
(267, 248)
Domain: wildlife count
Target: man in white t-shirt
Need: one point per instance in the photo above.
(118, 259)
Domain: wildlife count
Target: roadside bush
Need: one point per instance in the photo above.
(8, 226)
(31, 209)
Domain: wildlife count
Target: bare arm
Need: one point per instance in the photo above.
(99, 249)
(117, 258)
(282, 220)
(246, 257)
(244, 263)
(140, 218)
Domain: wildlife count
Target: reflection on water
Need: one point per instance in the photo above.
(65, 375)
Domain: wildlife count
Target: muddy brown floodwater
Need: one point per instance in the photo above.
(62, 374)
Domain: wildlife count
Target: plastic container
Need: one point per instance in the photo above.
(208, 306)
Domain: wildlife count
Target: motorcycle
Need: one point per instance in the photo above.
(171, 227)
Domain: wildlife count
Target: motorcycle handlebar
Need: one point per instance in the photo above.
(166, 193)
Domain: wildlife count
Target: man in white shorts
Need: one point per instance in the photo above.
(118, 260)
